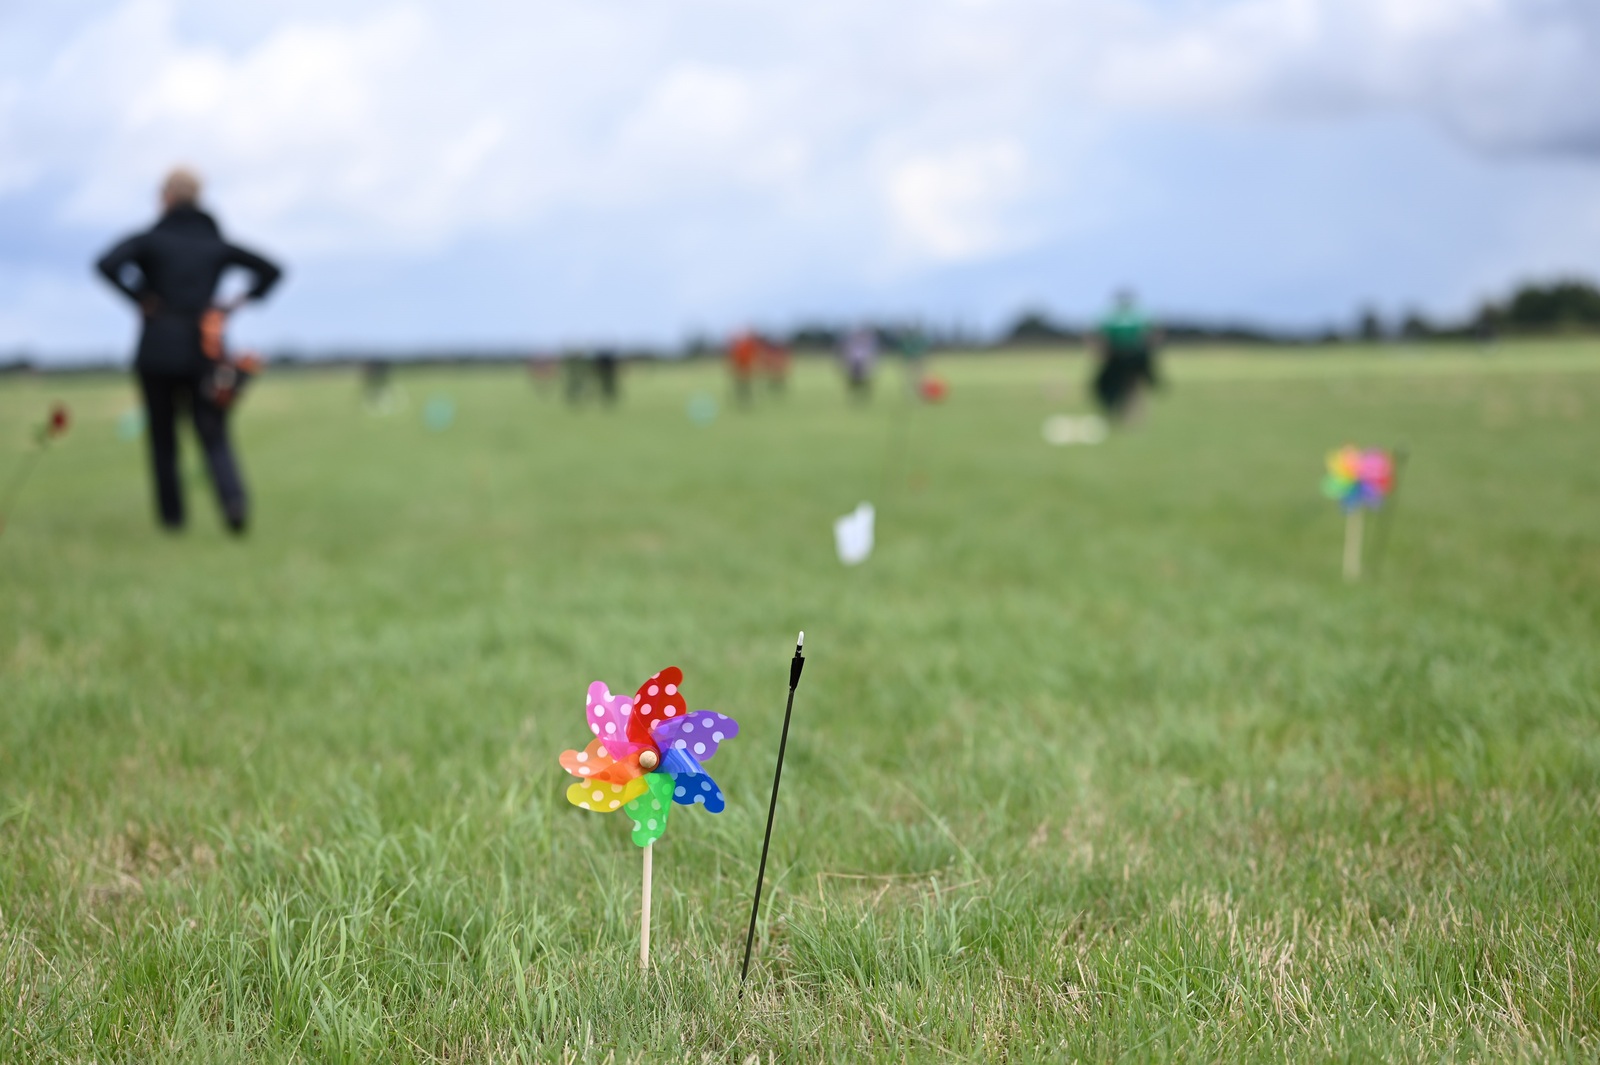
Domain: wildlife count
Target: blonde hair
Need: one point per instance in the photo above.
(182, 186)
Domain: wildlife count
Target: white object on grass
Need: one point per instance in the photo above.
(852, 535)
(1064, 429)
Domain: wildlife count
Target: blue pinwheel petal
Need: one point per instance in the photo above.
(691, 784)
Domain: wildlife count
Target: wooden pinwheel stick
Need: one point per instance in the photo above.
(644, 913)
(1352, 544)
(647, 762)
(795, 666)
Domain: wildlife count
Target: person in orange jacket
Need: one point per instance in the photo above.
(744, 351)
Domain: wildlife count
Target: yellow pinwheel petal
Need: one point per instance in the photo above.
(603, 796)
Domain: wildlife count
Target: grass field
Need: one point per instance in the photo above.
(1096, 758)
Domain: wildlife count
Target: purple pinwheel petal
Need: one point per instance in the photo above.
(697, 734)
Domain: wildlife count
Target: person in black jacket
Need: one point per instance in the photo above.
(171, 272)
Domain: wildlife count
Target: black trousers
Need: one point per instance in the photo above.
(1121, 374)
(165, 397)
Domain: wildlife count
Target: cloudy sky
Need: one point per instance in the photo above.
(636, 170)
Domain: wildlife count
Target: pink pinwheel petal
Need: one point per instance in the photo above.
(609, 719)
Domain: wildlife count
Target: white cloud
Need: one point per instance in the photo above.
(43, 304)
(411, 122)
(1505, 75)
(951, 205)
(316, 131)
(890, 138)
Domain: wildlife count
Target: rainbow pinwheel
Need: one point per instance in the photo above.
(1358, 478)
(647, 753)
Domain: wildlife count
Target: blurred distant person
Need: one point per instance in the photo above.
(774, 362)
(607, 367)
(375, 381)
(379, 392)
(171, 272)
(1127, 343)
(744, 351)
(543, 368)
(860, 354)
(576, 373)
(913, 347)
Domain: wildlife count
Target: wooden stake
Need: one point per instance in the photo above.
(1352, 544)
(644, 913)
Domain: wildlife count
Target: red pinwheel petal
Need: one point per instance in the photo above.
(658, 699)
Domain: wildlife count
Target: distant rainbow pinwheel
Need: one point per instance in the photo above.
(1358, 478)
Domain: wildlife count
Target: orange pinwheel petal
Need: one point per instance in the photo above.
(594, 762)
(588, 762)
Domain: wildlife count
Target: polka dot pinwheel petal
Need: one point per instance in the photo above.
(699, 733)
(657, 700)
(649, 810)
(691, 784)
(594, 762)
(609, 717)
(604, 796)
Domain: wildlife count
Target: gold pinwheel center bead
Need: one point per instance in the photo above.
(648, 759)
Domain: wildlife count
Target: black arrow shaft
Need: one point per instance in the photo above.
(772, 811)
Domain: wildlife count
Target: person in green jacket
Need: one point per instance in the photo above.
(1126, 342)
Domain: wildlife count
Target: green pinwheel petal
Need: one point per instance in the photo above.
(649, 811)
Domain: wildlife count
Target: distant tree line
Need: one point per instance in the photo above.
(1568, 306)
(1562, 306)
(1559, 307)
